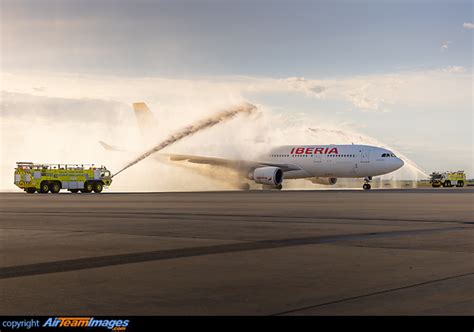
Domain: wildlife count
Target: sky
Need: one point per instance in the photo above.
(397, 71)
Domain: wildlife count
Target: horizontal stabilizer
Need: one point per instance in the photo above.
(109, 147)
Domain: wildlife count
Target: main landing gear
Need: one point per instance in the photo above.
(367, 185)
(270, 187)
(244, 186)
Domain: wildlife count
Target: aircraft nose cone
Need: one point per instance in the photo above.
(399, 163)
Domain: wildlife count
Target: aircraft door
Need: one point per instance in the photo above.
(365, 156)
(319, 167)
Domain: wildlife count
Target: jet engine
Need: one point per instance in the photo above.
(267, 175)
(325, 181)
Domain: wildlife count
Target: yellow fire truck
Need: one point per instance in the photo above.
(44, 178)
(448, 179)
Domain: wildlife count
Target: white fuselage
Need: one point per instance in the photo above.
(338, 161)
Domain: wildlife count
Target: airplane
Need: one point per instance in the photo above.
(320, 164)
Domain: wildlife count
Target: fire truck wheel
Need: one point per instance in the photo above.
(30, 190)
(55, 187)
(448, 183)
(44, 188)
(87, 187)
(74, 191)
(98, 186)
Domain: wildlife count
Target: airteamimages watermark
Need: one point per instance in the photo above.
(65, 322)
(111, 324)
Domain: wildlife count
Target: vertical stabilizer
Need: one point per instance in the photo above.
(145, 119)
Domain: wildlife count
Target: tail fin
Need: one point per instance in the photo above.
(145, 118)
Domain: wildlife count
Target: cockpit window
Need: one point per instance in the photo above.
(388, 155)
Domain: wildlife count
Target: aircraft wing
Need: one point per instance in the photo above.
(242, 165)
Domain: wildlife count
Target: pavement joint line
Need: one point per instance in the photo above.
(140, 257)
(49, 231)
(372, 294)
(402, 248)
(420, 190)
(92, 232)
(186, 216)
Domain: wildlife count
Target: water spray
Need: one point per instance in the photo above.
(192, 129)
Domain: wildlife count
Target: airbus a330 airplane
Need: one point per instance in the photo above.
(322, 164)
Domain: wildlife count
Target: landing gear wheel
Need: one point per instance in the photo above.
(55, 187)
(98, 187)
(87, 187)
(74, 191)
(367, 185)
(244, 186)
(30, 190)
(44, 188)
(271, 187)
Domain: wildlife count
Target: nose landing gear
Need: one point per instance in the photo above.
(367, 185)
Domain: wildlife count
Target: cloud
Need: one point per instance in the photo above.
(182, 97)
(364, 102)
(310, 88)
(27, 107)
(468, 25)
(454, 69)
(445, 45)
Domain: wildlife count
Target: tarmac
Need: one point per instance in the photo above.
(326, 252)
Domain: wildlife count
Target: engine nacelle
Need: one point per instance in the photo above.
(267, 175)
(325, 181)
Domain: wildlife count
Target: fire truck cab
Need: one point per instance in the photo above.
(44, 178)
